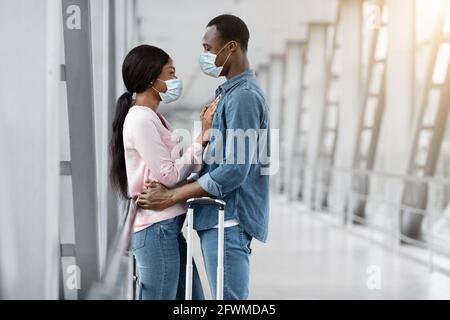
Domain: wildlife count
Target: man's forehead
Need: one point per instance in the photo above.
(210, 36)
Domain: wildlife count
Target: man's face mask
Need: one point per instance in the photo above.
(174, 90)
(208, 63)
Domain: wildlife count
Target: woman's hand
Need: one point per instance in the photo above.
(207, 116)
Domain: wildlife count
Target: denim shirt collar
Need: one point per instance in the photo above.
(230, 83)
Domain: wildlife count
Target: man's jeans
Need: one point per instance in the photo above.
(237, 252)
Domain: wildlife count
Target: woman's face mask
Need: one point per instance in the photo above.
(174, 90)
(208, 63)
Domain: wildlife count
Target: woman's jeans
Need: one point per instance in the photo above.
(160, 252)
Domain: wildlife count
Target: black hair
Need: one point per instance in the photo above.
(140, 69)
(231, 28)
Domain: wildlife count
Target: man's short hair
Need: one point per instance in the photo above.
(231, 28)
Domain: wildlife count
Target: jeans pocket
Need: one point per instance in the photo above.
(245, 240)
(138, 239)
(170, 228)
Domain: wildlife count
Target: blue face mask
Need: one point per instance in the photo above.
(174, 90)
(208, 63)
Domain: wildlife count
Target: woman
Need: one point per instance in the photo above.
(143, 149)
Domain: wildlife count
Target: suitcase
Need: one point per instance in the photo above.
(220, 249)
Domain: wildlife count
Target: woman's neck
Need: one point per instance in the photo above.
(147, 99)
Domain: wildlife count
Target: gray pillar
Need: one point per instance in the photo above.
(399, 84)
(315, 102)
(350, 81)
(78, 76)
(292, 101)
(399, 100)
(276, 77)
(349, 52)
(112, 205)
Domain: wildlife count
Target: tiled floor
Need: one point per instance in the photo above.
(307, 258)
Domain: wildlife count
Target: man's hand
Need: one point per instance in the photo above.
(155, 197)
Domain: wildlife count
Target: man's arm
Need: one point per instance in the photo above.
(157, 197)
(243, 124)
(188, 191)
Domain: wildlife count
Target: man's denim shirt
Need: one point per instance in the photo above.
(241, 182)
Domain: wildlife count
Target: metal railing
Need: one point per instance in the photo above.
(383, 202)
(119, 279)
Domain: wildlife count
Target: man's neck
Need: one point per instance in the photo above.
(237, 68)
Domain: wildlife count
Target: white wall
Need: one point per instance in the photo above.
(36, 212)
(29, 76)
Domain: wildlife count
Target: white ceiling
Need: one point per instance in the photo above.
(177, 26)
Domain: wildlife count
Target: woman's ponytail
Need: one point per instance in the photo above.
(118, 173)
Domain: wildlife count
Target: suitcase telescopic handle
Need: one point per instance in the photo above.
(206, 201)
(220, 244)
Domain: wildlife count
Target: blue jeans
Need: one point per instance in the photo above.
(237, 252)
(160, 252)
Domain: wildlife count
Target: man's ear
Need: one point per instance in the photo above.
(233, 46)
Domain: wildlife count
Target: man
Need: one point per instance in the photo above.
(237, 178)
